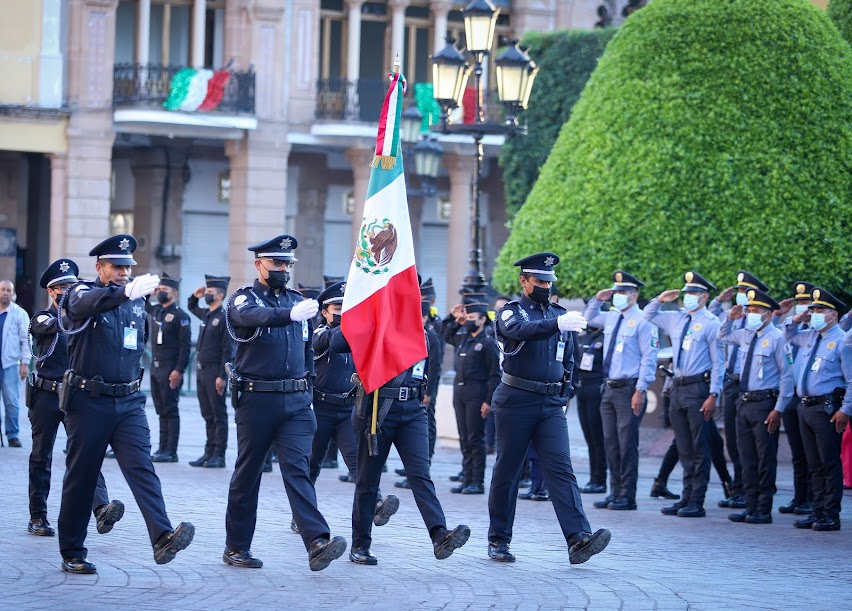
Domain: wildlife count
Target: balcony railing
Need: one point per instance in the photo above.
(229, 92)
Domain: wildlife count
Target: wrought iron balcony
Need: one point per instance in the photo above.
(226, 92)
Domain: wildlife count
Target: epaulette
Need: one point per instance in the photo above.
(559, 307)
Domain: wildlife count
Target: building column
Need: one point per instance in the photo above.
(309, 224)
(440, 9)
(353, 40)
(398, 29)
(360, 160)
(199, 17)
(460, 169)
(143, 32)
(58, 184)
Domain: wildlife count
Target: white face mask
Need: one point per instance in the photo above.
(742, 299)
(818, 321)
(754, 321)
(690, 301)
(619, 301)
(801, 308)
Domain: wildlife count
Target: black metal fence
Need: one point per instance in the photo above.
(149, 85)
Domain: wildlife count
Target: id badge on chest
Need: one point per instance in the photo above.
(418, 370)
(686, 344)
(130, 338)
(815, 366)
(159, 333)
(619, 347)
(588, 361)
(305, 334)
(560, 350)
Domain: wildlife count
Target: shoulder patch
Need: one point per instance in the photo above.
(43, 318)
(184, 322)
(81, 287)
(170, 317)
(506, 314)
(215, 322)
(240, 300)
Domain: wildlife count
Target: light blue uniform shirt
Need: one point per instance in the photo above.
(736, 368)
(700, 350)
(635, 348)
(831, 367)
(771, 361)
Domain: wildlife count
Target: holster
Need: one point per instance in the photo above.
(372, 443)
(65, 391)
(359, 395)
(234, 379)
(31, 390)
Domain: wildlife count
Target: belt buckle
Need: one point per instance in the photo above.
(404, 393)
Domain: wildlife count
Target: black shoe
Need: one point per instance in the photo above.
(385, 509)
(790, 507)
(737, 501)
(759, 517)
(460, 487)
(329, 464)
(672, 510)
(499, 552)
(458, 477)
(40, 527)
(200, 461)
(267, 467)
(622, 503)
(447, 541)
(362, 555)
(403, 484)
(107, 515)
(659, 490)
(525, 483)
(15, 443)
(582, 546)
(79, 566)
(217, 462)
(541, 495)
(401, 473)
(323, 550)
(293, 526)
(739, 517)
(169, 544)
(165, 457)
(242, 559)
(348, 478)
(803, 510)
(826, 524)
(474, 489)
(806, 523)
(591, 488)
(691, 511)
(604, 502)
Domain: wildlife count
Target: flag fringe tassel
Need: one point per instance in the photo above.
(386, 161)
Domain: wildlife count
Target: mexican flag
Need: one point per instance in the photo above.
(194, 90)
(381, 306)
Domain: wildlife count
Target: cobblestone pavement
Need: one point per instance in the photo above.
(653, 562)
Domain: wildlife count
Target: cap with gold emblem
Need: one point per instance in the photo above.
(802, 290)
(624, 282)
(63, 271)
(280, 247)
(540, 266)
(116, 250)
(695, 283)
(756, 297)
(824, 299)
(747, 280)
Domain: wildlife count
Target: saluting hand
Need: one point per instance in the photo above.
(458, 312)
(736, 312)
(803, 317)
(604, 295)
(726, 295)
(786, 306)
(668, 296)
(773, 421)
(199, 292)
(174, 379)
(840, 421)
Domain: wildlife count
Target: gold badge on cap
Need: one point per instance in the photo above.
(741, 277)
(816, 294)
(689, 276)
(750, 295)
(618, 276)
(800, 288)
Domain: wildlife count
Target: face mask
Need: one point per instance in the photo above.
(818, 321)
(690, 301)
(741, 299)
(335, 320)
(801, 308)
(425, 308)
(754, 321)
(162, 296)
(277, 279)
(540, 294)
(59, 297)
(209, 298)
(619, 301)
(472, 326)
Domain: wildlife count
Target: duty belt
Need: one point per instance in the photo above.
(333, 398)
(97, 387)
(620, 383)
(732, 378)
(299, 385)
(542, 388)
(400, 393)
(48, 385)
(830, 398)
(759, 395)
(687, 380)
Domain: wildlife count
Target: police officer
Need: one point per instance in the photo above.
(538, 359)
(214, 349)
(629, 368)
(698, 363)
(51, 362)
(766, 387)
(588, 378)
(823, 385)
(477, 365)
(273, 383)
(104, 406)
(170, 347)
(746, 281)
(334, 398)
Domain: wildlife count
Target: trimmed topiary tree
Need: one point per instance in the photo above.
(714, 135)
(567, 60)
(840, 12)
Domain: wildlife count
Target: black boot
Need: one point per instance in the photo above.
(660, 490)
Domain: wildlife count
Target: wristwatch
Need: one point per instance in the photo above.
(642, 390)
(715, 395)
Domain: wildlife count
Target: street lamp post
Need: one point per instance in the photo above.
(426, 151)
(450, 72)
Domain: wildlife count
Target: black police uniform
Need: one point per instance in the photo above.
(106, 407)
(435, 339)
(214, 348)
(170, 346)
(588, 378)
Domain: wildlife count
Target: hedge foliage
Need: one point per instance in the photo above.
(840, 12)
(566, 59)
(714, 135)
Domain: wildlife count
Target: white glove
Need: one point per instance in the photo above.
(571, 321)
(304, 310)
(141, 286)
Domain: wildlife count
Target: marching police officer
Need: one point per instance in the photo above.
(535, 338)
(698, 362)
(823, 385)
(477, 365)
(766, 387)
(104, 406)
(272, 386)
(43, 384)
(588, 364)
(629, 368)
(214, 349)
(170, 347)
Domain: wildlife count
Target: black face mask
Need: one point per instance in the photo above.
(162, 296)
(278, 279)
(540, 294)
(209, 298)
(335, 320)
(472, 326)
(425, 308)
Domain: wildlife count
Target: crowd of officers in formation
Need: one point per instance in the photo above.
(289, 368)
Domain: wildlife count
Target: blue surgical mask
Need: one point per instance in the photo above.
(754, 321)
(619, 301)
(690, 301)
(742, 299)
(801, 308)
(818, 321)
